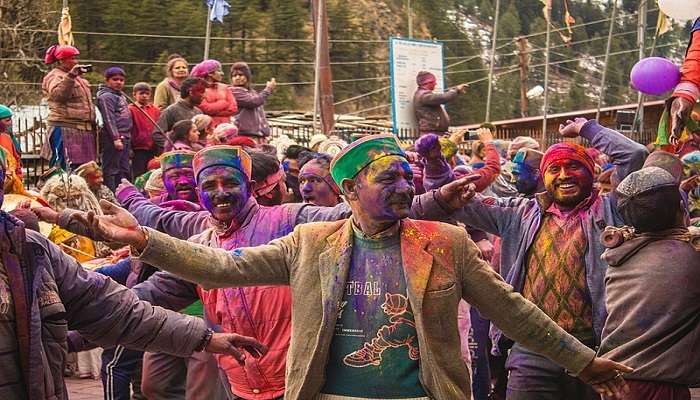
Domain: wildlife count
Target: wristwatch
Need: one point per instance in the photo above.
(205, 340)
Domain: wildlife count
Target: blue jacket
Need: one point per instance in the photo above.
(517, 220)
(115, 113)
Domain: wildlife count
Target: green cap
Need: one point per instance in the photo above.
(5, 111)
(360, 153)
(176, 159)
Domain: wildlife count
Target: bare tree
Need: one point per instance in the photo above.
(27, 28)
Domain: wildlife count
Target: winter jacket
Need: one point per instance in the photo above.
(441, 265)
(115, 113)
(430, 113)
(517, 220)
(52, 292)
(141, 138)
(218, 103)
(70, 100)
(179, 111)
(165, 94)
(652, 291)
(250, 118)
(689, 86)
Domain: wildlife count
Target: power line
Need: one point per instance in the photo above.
(36, 59)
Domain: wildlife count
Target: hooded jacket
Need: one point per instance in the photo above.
(115, 112)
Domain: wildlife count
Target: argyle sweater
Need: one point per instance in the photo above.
(556, 275)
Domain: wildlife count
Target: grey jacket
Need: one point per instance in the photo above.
(430, 113)
(517, 220)
(250, 117)
(653, 303)
(53, 293)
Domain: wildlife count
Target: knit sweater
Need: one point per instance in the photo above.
(556, 277)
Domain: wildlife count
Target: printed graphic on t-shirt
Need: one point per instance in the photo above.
(401, 331)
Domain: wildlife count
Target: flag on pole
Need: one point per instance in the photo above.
(65, 27)
(662, 24)
(218, 9)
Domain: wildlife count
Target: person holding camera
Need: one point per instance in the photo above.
(428, 105)
(70, 139)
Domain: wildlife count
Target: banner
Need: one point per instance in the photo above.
(407, 57)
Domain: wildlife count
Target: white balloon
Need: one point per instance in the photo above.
(681, 10)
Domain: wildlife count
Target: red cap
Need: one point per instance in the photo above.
(59, 52)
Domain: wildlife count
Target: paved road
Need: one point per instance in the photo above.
(89, 389)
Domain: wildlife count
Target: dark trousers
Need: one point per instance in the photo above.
(648, 390)
(115, 163)
(121, 373)
(481, 376)
(535, 377)
(139, 164)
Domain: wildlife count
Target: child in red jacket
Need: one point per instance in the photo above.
(141, 141)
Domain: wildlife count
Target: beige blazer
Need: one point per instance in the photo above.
(441, 265)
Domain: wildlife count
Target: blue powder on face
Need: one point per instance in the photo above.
(237, 252)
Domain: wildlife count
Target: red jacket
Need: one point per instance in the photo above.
(142, 127)
(689, 87)
(219, 103)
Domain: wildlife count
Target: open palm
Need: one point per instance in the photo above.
(116, 225)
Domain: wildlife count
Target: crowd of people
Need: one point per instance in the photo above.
(203, 259)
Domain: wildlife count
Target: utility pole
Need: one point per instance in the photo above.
(487, 118)
(323, 93)
(410, 20)
(317, 64)
(547, 17)
(603, 79)
(641, 40)
(207, 38)
(522, 48)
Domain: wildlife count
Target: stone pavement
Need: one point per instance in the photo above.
(84, 389)
(90, 389)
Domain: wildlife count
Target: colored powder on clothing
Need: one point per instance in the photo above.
(374, 352)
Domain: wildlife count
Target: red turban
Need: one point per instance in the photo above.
(59, 52)
(567, 151)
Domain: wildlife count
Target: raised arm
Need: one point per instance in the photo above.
(215, 268)
(436, 99)
(627, 155)
(247, 99)
(435, 205)
(180, 224)
(59, 87)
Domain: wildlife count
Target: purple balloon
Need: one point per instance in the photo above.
(655, 75)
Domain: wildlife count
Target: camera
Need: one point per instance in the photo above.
(471, 135)
(85, 68)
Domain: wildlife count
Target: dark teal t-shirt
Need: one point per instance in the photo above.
(374, 352)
